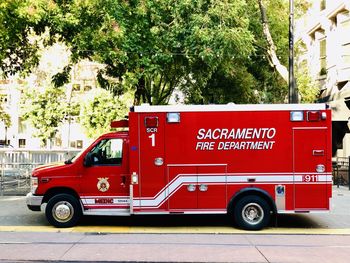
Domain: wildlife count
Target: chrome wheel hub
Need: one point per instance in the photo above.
(252, 213)
(62, 211)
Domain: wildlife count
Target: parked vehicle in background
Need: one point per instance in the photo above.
(247, 161)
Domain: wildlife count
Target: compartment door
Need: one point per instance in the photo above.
(212, 183)
(152, 177)
(196, 187)
(310, 155)
(182, 188)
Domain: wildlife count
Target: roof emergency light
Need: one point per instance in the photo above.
(120, 124)
(296, 115)
(173, 117)
(151, 122)
(313, 116)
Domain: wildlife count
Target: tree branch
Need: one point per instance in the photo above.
(271, 49)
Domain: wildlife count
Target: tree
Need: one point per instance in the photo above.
(45, 110)
(271, 47)
(100, 109)
(253, 79)
(43, 105)
(307, 89)
(150, 45)
(5, 117)
(18, 52)
(155, 46)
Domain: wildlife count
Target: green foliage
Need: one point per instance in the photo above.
(5, 117)
(251, 79)
(150, 45)
(307, 88)
(18, 52)
(45, 110)
(236, 86)
(204, 47)
(272, 88)
(100, 109)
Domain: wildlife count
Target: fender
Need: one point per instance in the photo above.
(252, 191)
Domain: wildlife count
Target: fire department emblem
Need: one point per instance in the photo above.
(103, 184)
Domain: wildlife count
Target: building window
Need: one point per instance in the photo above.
(76, 87)
(22, 126)
(58, 142)
(323, 57)
(345, 27)
(76, 144)
(4, 143)
(87, 88)
(346, 53)
(22, 143)
(341, 85)
(79, 144)
(73, 144)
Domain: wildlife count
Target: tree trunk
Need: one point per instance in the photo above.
(140, 92)
(271, 48)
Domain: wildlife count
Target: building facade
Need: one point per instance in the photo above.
(325, 32)
(70, 133)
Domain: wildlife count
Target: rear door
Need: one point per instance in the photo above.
(310, 157)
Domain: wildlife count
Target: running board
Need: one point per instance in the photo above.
(107, 212)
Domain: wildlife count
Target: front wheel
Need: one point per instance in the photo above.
(63, 210)
(252, 213)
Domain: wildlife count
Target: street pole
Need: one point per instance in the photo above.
(70, 92)
(6, 135)
(293, 93)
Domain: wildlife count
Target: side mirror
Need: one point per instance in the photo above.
(88, 160)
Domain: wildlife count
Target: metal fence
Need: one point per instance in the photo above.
(341, 171)
(16, 167)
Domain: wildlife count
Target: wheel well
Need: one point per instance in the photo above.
(251, 191)
(59, 190)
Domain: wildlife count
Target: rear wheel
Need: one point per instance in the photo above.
(63, 210)
(252, 213)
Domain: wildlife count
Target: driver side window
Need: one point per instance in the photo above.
(107, 152)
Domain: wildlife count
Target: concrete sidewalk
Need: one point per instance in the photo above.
(73, 247)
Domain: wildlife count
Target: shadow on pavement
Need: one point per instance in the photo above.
(286, 221)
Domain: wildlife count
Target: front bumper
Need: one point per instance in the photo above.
(34, 202)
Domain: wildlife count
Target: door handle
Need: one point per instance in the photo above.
(318, 152)
(123, 179)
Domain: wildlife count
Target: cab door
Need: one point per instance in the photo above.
(104, 181)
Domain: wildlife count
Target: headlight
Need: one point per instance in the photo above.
(34, 184)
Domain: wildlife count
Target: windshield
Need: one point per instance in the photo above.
(75, 157)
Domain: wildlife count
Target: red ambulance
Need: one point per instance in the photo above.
(247, 161)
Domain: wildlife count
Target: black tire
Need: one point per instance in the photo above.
(252, 213)
(63, 210)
